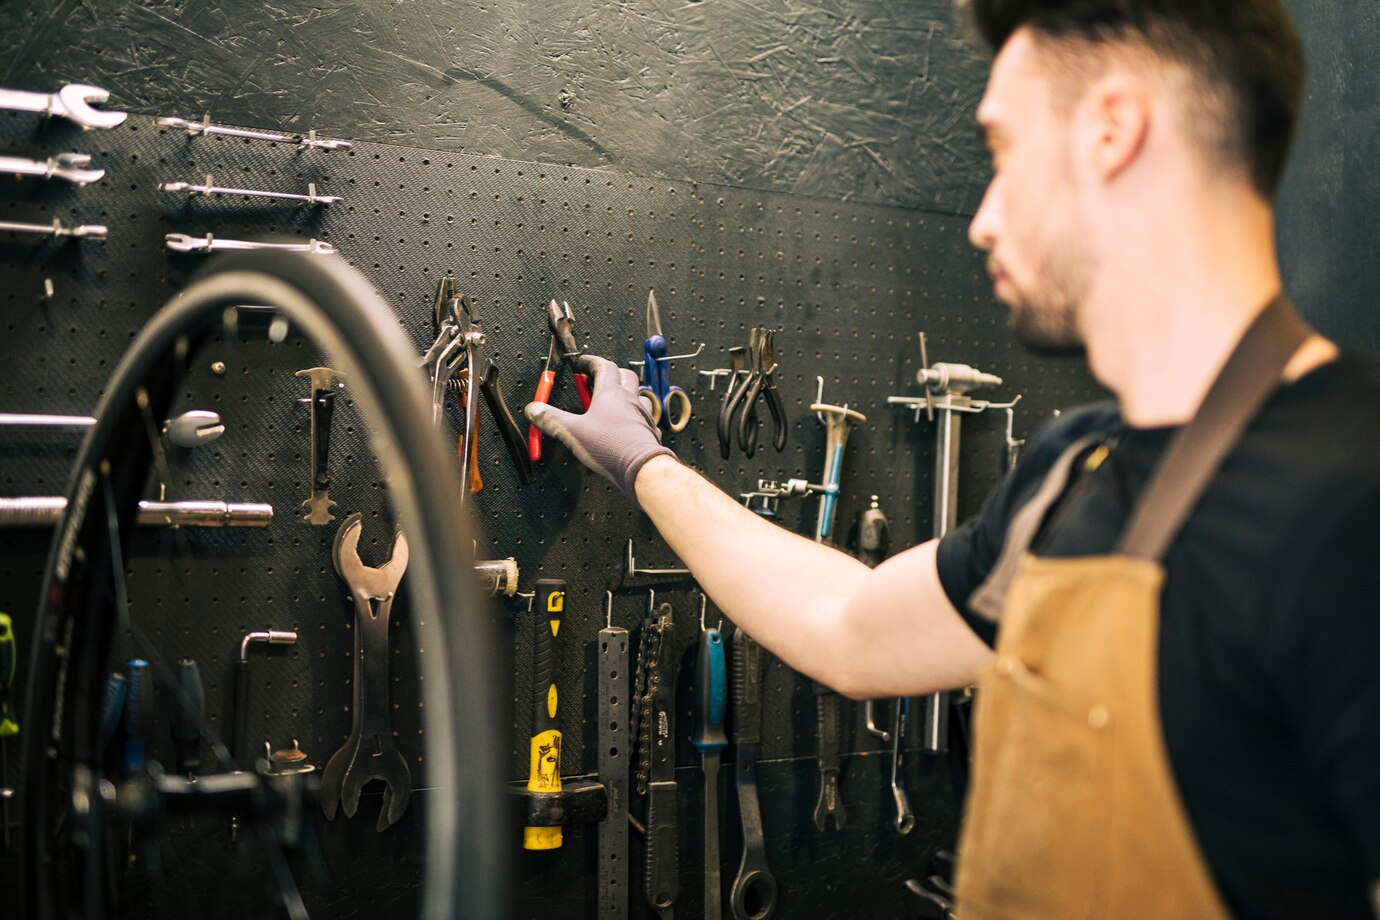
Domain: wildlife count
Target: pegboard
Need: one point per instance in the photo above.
(848, 286)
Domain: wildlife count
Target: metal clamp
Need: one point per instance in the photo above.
(57, 230)
(181, 242)
(633, 570)
(210, 188)
(194, 128)
(667, 358)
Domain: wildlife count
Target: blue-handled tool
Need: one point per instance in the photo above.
(711, 701)
(134, 749)
(838, 422)
(662, 398)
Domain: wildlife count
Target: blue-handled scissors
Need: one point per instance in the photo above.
(661, 396)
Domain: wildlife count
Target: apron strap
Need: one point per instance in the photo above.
(990, 596)
(1197, 451)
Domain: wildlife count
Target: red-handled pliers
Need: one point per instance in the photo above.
(561, 319)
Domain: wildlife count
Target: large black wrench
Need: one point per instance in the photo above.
(369, 753)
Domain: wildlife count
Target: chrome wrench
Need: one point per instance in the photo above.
(71, 167)
(369, 753)
(73, 102)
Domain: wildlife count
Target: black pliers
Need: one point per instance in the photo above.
(745, 391)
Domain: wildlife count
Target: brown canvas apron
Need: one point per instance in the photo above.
(1073, 811)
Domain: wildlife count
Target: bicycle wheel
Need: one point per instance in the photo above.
(68, 800)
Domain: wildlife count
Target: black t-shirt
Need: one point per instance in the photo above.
(1269, 646)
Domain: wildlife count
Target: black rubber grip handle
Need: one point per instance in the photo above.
(663, 860)
(189, 715)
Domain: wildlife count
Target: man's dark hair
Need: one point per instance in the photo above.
(1245, 53)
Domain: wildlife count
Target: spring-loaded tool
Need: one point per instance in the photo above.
(460, 343)
(182, 242)
(208, 187)
(70, 167)
(613, 767)
(325, 382)
(75, 102)
(544, 762)
(194, 128)
(57, 230)
(753, 895)
(710, 706)
(662, 873)
(369, 752)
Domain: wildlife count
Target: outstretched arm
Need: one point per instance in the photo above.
(864, 632)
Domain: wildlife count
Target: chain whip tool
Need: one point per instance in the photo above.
(613, 767)
(659, 729)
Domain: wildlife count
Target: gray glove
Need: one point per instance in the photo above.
(616, 435)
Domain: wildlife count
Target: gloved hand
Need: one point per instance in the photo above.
(615, 436)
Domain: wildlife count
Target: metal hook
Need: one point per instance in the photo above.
(651, 601)
(608, 609)
(704, 603)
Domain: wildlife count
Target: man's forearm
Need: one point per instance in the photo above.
(821, 611)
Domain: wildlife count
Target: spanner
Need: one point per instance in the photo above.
(72, 102)
(69, 166)
(369, 753)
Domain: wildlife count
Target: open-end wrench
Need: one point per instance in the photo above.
(69, 166)
(324, 383)
(73, 102)
(829, 808)
(369, 753)
(753, 896)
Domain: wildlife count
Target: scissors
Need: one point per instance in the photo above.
(661, 396)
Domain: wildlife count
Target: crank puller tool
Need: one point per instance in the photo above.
(544, 773)
(9, 725)
(710, 704)
(662, 825)
(753, 896)
(189, 716)
(614, 760)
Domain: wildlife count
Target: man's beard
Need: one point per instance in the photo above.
(1046, 320)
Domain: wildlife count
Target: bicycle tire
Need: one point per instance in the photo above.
(464, 874)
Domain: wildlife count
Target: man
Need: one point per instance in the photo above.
(1182, 718)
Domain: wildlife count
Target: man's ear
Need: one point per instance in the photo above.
(1119, 115)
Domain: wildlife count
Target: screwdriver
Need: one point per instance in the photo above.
(545, 772)
(711, 700)
(8, 725)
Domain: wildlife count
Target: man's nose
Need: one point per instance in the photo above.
(982, 231)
